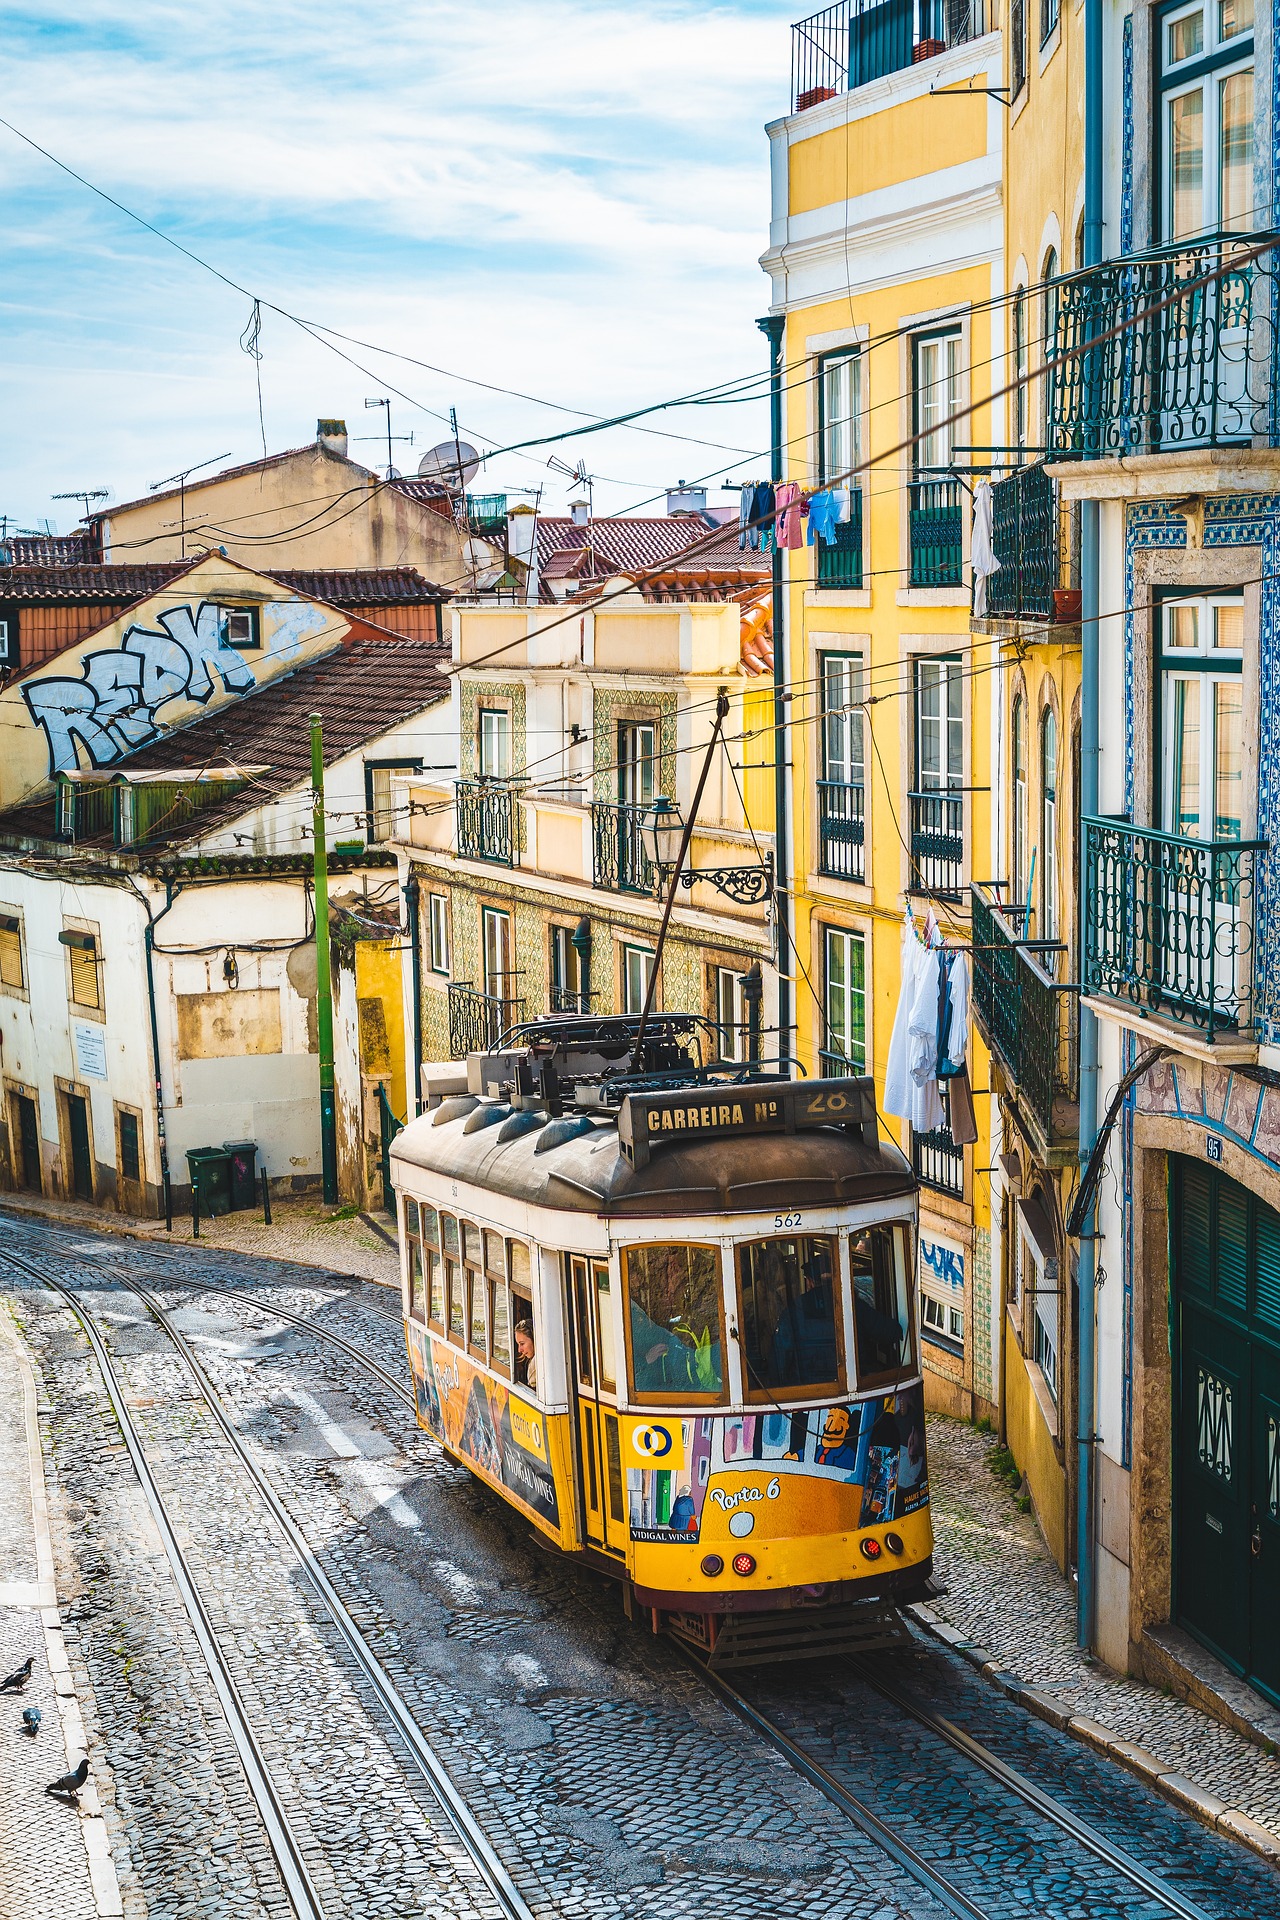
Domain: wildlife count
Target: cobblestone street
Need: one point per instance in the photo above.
(606, 1775)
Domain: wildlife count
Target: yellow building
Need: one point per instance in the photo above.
(1027, 925)
(885, 260)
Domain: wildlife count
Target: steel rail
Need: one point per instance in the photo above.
(867, 1822)
(1044, 1803)
(475, 1841)
(285, 1846)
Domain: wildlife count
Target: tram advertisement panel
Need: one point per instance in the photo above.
(870, 1455)
(503, 1436)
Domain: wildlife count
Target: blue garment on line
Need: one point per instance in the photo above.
(824, 516)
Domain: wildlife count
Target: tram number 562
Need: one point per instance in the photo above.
(783, 1220)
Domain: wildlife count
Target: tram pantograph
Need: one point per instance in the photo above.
(668, 1313)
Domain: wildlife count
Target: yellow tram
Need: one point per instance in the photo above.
(668, 1313)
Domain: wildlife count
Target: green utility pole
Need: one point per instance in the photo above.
(324, 987)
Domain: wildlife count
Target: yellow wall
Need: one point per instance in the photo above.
(1031, 1445)
(313, 509)
(901, 143)
(378, 978)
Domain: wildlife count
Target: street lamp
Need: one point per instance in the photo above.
(662, 833)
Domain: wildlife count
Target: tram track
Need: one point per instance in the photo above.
(285, 1845)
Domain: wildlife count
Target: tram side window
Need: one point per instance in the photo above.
(500, 1326)
(524, 1358)
(413, 1252)
(881, 1309)
(674, 1326)
(790, 1341)
(435, 1270)
(604, 1312)
(474, 1290)
(453, 1281)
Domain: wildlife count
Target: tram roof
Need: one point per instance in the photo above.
(577, 1164)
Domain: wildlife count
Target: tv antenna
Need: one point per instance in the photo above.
(84, 493)
(157, 486)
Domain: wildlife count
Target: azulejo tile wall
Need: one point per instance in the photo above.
(614, 703)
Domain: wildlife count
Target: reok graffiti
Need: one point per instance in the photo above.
(111, 710)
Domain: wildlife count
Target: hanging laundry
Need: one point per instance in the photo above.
(962, 1120)
(911, 1074)
(788, 523)
(746, 497)
(982, 552)
(822, 517)
(843, 498)
(953, 1015)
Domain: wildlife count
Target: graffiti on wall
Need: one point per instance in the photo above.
(942, 1264)
(112, 709)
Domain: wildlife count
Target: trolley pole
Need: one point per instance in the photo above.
(324, 985)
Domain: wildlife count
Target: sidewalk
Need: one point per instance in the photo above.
(335, 1238)
(1010, 1612)
(55, 1861)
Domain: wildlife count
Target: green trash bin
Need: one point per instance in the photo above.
(242, 1156)
(210, 1172)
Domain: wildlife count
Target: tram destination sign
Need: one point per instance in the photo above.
(648, 1122)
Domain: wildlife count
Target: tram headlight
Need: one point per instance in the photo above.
(871, 1549)
(744, 1563)
(712, 1564)
(894, 1543)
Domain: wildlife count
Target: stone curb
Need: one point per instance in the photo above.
(93, 1829)
(1184, 1793)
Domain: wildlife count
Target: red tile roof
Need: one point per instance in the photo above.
(53, 550)
(360, 691)
(107, 585)
(627, 545)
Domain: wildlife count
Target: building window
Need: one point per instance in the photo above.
(1048, 18)
(1039, 1288)
(1049, 826)
(495, 941)
(844, 1000)
(637, 970)
(1048, 330)
(381, 814)
(1017, 47)
(130, 1144)
(731, 1013)
(438, 931)
(937, 399)
(12, 971)
(84, 975)
(495, 743)
(1020, 815)
(8, 642)
(637, 763)
(840, 407)
(570, 991)
(1202, 717)
(1206, 108)
(239, 628)
(1021, 365)
(942, 1295)
(939, 689)
(842, 718)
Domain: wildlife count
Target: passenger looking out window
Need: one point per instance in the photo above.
(789, 1315)
(526, 1355)
(674, 1306)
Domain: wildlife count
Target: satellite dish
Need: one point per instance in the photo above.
(453, 463)
(394, 473)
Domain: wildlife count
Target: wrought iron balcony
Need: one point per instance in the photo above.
(1027, 1018)
(1025, 536)
(841, 830)
(565, 1000)
(840, 566)
(937, 1161)
(477, 1021)
(1198, 373)
(936, 534)
(859, 40)
(1169, 923)
(620, 862)
(836, 1064)
(937, 842)
(486, 816)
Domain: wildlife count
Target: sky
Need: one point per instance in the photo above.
(556, 197)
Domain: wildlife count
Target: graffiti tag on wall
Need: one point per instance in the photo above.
(945, 1263)
(111, 710)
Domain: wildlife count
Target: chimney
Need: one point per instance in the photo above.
(581, 512)
(332, 436)
(683, 499)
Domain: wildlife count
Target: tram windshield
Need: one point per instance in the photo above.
(881, 1309)
(674, 1330)
(789, 1314)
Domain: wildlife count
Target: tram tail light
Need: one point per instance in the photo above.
(894, 1543)
(744, 1563)
(712, 1564)
(871, 1549)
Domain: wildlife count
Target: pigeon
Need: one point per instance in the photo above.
(19, 1677)
(31, 1720)
(70, 1783)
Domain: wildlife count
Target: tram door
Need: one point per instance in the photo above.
(599, 1445)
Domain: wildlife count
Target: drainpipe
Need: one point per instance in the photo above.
(148, 943)
(413, 1103)
(1087, 1358)
(773, 326)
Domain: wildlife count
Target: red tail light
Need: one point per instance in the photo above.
(871, 1549)
(744, 1563)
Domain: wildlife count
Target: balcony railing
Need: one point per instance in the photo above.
(486, 812)
(841, 830)
(1026, 1017)
(1025, 536)
(620, 862)
(565, 1000)
(840, 565)
(938, 1162)
(477, 1021)
(835, 1064)
(859, 40)
(1198, 373)
(937, 842)
(1169, 923)
(936, 534)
